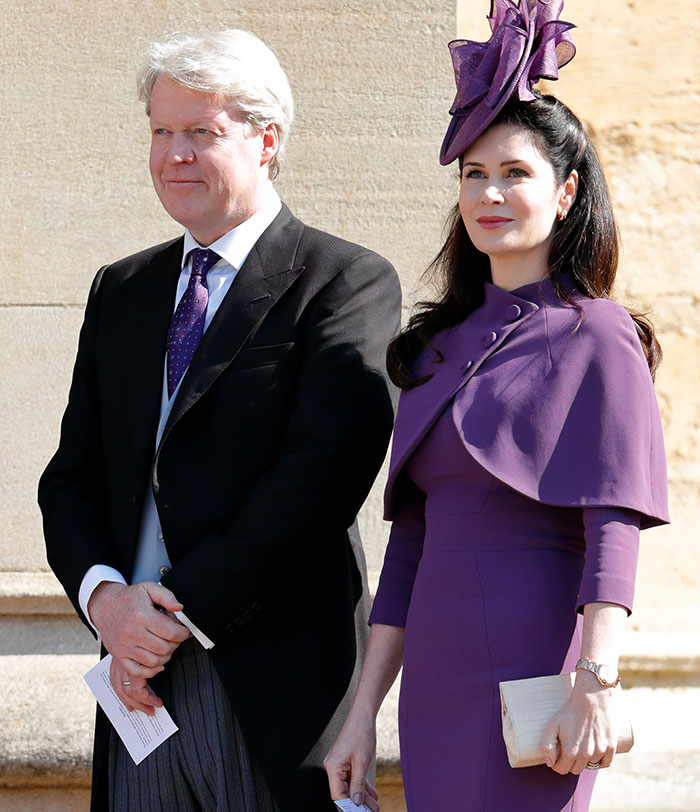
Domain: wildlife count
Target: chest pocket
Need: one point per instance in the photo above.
(266, 355)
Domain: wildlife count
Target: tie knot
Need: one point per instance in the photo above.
(202, 261)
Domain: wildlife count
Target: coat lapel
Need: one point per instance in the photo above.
(266, 274)
(150, 297)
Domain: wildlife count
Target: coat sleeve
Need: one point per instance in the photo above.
(330, 454)
(71, 494)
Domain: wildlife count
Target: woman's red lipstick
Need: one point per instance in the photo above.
(493, 222)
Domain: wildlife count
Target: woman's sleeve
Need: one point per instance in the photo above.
(612, 546)
(403, 553)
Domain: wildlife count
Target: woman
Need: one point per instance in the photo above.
(527, 455)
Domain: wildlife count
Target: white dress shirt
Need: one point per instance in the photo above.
(151, 561)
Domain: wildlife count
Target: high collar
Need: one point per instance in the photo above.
(539, 293)
(457, 354)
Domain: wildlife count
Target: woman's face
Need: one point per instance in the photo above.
(509, 198)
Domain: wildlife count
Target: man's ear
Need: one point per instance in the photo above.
(271, 144)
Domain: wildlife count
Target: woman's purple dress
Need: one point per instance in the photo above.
(487, 581)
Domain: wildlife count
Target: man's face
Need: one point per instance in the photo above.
(208, 170)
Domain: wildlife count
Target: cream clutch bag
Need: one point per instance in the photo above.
(528, 704)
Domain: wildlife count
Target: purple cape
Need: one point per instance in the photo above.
(560, 408)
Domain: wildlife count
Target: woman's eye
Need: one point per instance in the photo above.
(517, 172)
(473, 173)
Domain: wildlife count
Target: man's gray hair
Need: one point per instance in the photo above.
(233, 65)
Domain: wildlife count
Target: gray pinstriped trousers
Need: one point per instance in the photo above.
(206, 765)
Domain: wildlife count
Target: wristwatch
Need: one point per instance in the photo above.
(605, 674)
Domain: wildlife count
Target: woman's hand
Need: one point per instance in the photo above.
(583, 731)
(348, 762)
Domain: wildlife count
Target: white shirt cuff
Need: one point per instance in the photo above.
(198, 634)
(102, 572)
(91, 580)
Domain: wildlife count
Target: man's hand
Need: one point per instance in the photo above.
(140, 632)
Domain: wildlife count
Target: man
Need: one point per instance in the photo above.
(227, 416)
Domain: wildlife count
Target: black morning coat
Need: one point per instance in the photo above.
(276, 435)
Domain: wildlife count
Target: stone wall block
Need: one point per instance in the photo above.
(39, 346)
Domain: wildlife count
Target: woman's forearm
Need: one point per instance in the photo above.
(349, 760)
(603, 627)
(582, 734)
(382, 664)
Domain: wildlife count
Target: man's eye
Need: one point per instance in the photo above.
(201, 131)
(159, 131)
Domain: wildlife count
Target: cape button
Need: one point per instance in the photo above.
(489, 339)
(513, 312)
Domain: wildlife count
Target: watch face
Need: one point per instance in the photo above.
(607, 673)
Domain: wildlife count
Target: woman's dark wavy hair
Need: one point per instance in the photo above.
(585, 244)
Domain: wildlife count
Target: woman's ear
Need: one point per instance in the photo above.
(567, 195)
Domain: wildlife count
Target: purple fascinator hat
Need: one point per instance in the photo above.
(528, 42)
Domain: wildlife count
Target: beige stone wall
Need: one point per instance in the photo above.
(635, 82)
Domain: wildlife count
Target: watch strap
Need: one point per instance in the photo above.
(590, 665)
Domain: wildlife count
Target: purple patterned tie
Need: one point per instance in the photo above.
(188, 320)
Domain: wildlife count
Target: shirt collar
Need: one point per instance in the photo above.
(234, 246)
